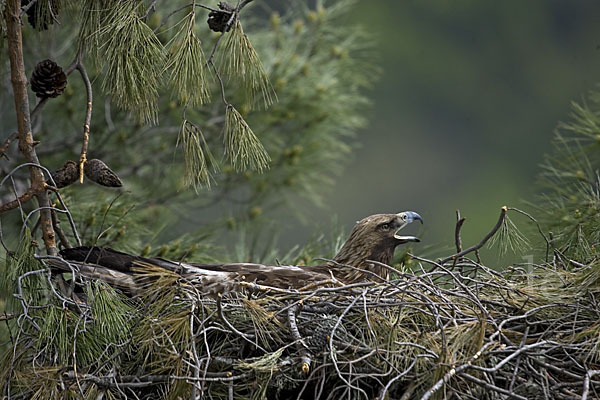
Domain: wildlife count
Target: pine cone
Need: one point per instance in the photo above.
(97, 171)
(217, 20)
(66, 175)
(318, 339)
(48, 79)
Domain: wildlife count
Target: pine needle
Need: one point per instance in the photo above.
(239, 60)
(197, 157)
(265, 325)
(19, 263)
(133, 65)
(111, 313)
(56, 332)
(266, 363)
(187, 65)
(509, 237)
(242, 147)
(94, 15)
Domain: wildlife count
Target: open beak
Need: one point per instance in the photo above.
(407, 217)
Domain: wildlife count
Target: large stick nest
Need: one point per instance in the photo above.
(454, 330)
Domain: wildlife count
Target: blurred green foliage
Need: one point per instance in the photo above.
(317, 65)
(470, 94)
(569, 205)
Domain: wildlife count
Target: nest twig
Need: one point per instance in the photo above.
(455, 329)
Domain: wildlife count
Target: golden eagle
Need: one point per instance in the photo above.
(371, 243)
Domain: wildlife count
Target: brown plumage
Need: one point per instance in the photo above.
(372, 239)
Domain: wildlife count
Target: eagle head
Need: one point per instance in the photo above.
(373, 238)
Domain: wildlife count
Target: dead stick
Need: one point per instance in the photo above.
(26, 143)
(6, 317)
(304, 356)
(7, 143)
(25, 197)
(483, 241)
(61, 235)
(586, 383)
(88, 118)
(459, 223)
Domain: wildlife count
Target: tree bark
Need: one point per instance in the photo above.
(26, 142)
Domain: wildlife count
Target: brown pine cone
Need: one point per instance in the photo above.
(66, 175)
(317, 339)
(217, 20)
(97, 171)
(48, 79)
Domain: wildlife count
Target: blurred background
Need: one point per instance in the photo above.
(464, 111)
(467, 96)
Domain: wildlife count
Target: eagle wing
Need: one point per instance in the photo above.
(123, 270)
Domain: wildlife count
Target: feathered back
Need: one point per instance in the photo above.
(372, 239)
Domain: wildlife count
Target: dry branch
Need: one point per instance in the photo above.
(483, 241)
(88, 118)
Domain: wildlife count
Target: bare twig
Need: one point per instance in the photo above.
(28, 6)
(61, 235)
(459, 223)
(482, 242)
(24, 198)
(586, 382)
(7, 143)
(6, 317)
(59, 197)
(305, 359)
(88, 118)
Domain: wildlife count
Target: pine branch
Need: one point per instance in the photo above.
(26, 142)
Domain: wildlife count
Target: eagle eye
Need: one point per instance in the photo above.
(385, 227)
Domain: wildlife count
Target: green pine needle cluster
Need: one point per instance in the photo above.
(134, 59)
(569, 206)
(188, 75)
(94, 16)
(111, 313)
(56, 333)
(22, 263)
(509, 238)
(197, 156)
(239, 60)
(242, 147)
